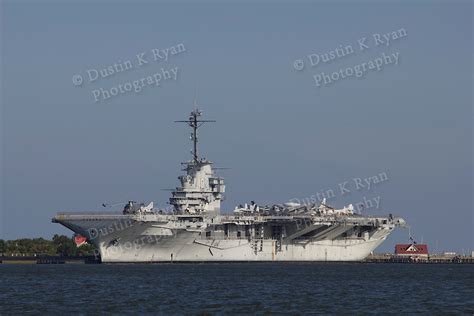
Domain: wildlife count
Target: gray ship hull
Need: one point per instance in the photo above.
(166, 239)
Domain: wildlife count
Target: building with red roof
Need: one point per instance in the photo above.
(412, 250)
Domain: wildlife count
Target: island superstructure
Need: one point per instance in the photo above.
(195, 229)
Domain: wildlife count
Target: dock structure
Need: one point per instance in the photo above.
(433, 258)
(49, 260)
(373, 258)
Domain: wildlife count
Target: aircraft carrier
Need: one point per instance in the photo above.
(194, 230)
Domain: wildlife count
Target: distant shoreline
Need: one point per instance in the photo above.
(4, 260)
(377, 258)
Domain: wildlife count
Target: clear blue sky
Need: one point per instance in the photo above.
(282, 136)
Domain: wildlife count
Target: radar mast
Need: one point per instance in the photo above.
(195, 123)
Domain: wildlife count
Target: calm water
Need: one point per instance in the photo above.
(237, 288)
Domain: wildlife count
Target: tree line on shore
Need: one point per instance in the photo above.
(59, 245)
